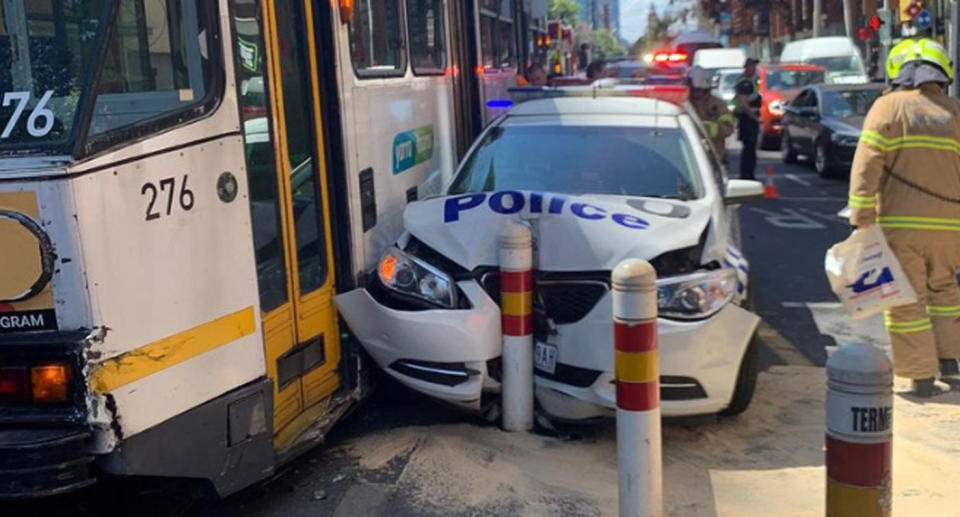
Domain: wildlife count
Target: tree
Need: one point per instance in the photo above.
(566, 10)
(606, 45)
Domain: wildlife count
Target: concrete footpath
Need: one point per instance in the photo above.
(768, 462)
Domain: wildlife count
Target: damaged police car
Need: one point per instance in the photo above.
(598, 177)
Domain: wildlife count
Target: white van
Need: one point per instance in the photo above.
(837, 54)
(715, 59)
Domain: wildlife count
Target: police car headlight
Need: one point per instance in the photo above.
(697, 296)
(843, 139)
(777, 108)
(409, 276)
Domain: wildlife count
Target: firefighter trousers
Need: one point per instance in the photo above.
(929, 330)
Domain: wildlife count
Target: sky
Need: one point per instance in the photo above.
(633, 17)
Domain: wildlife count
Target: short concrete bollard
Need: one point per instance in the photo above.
(516, 307)
(636, 364)
(859, 429)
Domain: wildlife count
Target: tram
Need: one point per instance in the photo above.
(184, 187)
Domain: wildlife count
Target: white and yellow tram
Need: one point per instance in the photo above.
(184, 187)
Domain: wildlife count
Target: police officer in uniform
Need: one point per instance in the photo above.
(906, 177)
(713, 112)
(747, 109)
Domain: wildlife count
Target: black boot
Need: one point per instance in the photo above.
(950, 369)
(925, 388)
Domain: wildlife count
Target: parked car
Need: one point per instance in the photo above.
(568, 167)
(824, 122)
(779, 84)
(838, 54)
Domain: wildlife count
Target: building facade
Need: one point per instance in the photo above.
(600, 14)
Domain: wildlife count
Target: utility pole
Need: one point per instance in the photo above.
(817, 18)
(848, 16)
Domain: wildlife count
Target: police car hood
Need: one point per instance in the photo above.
(571, 233)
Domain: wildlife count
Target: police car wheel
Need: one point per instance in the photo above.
(746, 380)
(787, 152)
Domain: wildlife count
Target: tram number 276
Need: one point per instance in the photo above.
(166, 186)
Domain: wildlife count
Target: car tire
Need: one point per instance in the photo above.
(821, 162)
(786, 151)
(746, 380)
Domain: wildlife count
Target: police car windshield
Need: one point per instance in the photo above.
(623, 161)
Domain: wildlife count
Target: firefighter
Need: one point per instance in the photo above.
(747, 109)
(906, 177)
(713, 112)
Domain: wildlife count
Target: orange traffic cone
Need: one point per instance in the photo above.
(769, 188)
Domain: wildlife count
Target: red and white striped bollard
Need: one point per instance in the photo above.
(639, 455)
(516, 307)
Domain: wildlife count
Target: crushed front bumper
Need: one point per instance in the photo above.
(450, 355)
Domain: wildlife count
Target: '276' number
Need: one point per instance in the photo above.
(167, 185)
(40, 111)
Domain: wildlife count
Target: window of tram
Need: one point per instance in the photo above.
(46, 48)
(427, 36)
(376, 38)
(156, 62)
(498, 41)
(297, 108)
(259, 152)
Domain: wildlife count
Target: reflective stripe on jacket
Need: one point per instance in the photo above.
(906, 171)
(716, 119)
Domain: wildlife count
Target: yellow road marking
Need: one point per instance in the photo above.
(172, 350)
(781, 346)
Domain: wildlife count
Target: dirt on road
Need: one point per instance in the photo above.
(768, 461)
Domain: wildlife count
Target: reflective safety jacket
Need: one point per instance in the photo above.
(716, 118)
(906, 171)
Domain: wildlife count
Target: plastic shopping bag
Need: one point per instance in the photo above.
(866, 275)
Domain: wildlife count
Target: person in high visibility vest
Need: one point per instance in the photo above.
(747, 108)
(906, 177)
(713, 112)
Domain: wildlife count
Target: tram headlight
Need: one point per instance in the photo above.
(409, 276)
(697, 296)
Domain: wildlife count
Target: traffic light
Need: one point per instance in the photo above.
(875, 22)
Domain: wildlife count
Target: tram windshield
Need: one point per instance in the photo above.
(126, 61)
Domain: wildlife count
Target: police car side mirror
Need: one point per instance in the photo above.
(742, 191)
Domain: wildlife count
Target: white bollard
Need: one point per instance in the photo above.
(859, 430)
(516, 307)
(636, 364)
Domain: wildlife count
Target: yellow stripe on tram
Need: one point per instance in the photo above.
(170, 351)
(636, 366)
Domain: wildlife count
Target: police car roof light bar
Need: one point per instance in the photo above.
(676, 94)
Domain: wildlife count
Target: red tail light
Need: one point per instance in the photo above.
(14, 385)
(50, 382)
(666, 57)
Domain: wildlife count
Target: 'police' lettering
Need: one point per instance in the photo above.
(517, 202)
(630, 221)
(455, 205)
(580, 210)
(870, 419)
(509, 202)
